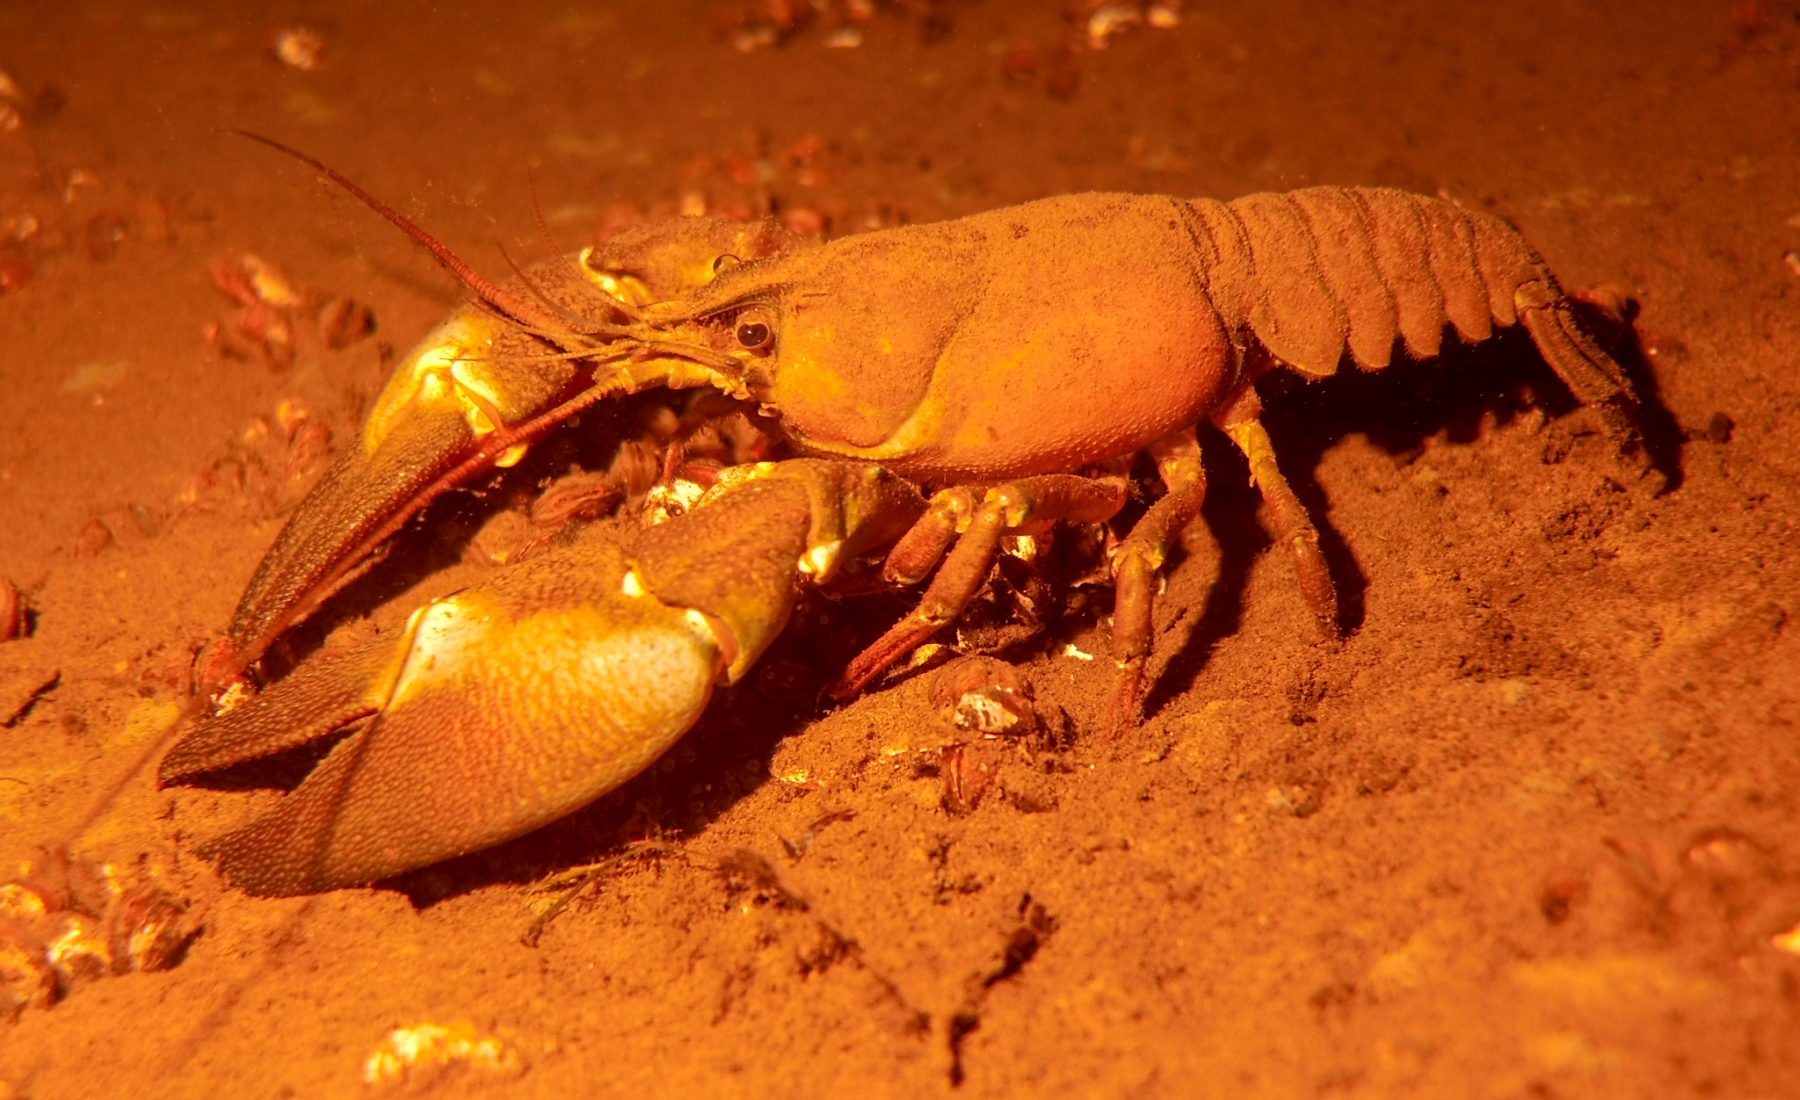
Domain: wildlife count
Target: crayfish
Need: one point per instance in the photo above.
(997, 359)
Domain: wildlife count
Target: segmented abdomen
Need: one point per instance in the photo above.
(1310, 272)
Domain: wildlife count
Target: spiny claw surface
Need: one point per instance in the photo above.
(516, 702)
(496, 711)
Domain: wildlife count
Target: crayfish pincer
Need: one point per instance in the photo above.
(1007, 360)
(513, 703)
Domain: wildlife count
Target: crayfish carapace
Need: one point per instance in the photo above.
(994, 358)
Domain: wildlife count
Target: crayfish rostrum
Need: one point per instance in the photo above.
(998, 360)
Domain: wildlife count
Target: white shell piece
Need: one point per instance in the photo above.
(418, 1054)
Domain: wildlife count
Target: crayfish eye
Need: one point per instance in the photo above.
(754, 331)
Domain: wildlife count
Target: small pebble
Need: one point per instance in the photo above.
(15, 272)
(1108, 21)
(344, 321)
(1164, 14)
(1788, 941)
(95, 537)
(300, 48)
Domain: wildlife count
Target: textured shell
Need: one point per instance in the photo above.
(1314, 271)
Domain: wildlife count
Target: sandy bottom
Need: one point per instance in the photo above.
(1531, 830)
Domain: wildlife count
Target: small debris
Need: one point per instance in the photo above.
(1658, 345)
(78, 180)
(1426, 477)
(754, 37)
(1109, 20)
(797, 849)
(985, 696)
(1563, 889)
(299, 47)
(759, 24)
(1613, 303)
(103, 234)
(147, 930)
(95, 537)
(344, 321)
(1719, 428)
(989, 701)
(271, 306)
(1513, 692)
(1163, 14)
(248, 280)
(421, 1055)
(1105, 19)
(15, 272)
(95, 376)
(1020, 63)
(1071, 650)
(570, 884)
(66, 921)
(1792, 260)
(263, 327)
(1788, 941)
(271, 465)
(11, 100)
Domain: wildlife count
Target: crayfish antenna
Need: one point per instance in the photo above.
(579, 323)
(506, 302)
(537, 213)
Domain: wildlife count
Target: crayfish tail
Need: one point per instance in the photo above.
(1593, 376)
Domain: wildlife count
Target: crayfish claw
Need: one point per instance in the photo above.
(516, 702)
(289, 850)
(497, 710)
(321, 697)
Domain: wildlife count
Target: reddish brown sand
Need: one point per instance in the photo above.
(1532, 830)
